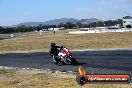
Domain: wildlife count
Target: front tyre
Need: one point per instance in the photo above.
(67, 61)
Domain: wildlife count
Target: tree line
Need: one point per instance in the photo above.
(67, 25)
(22, 28)
(108, 23)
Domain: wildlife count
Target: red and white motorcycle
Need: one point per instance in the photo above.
(66, 57)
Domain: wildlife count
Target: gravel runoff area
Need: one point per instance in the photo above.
(36, 71)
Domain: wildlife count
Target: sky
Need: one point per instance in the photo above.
(13, 12)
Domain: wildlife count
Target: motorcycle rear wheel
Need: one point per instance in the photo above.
(74, 61)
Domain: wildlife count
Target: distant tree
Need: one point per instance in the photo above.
(1, 30)
(100, 24)
(23, 28)
(54, 26)
(120, 22)
(15, 30)
(9, 30)
(93, 24)
(31, 29)
(45, 27)
(61, 25)
(34, 28)
(38, 28)
(128, 26)
(69, 25)
(78, 25)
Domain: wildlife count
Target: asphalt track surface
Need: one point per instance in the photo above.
(100, 62)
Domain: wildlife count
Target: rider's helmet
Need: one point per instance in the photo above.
(53, 44)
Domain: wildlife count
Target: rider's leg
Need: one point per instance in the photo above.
(59, 61)
(56, 59)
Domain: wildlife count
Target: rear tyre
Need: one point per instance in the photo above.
(74, 61)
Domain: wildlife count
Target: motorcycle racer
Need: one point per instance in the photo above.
(61, 55)
(54, 50)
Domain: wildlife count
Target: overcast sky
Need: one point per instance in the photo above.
(17, 11)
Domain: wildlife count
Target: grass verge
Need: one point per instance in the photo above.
(22, 79)
(82, 41)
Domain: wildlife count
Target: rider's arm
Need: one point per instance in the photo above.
(58, 46)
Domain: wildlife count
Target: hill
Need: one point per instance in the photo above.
(51, 22)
